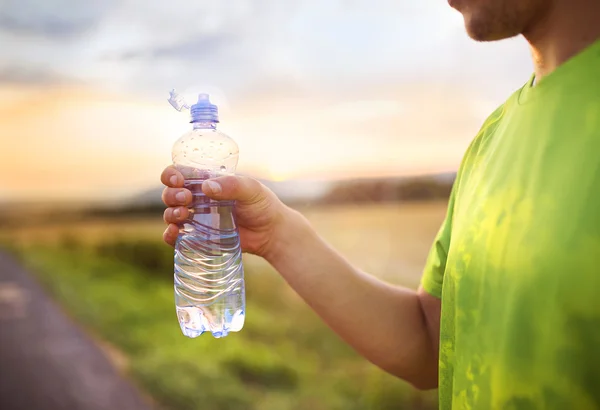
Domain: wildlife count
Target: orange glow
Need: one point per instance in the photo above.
(85, 144)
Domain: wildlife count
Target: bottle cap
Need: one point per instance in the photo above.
(204, 110)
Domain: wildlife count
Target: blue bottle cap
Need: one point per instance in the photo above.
(204, 110)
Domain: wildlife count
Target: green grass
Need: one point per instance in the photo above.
(284, 358)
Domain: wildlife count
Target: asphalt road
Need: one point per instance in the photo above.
(46, 361)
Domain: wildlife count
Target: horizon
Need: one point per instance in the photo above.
(301, 88)
(288, 189)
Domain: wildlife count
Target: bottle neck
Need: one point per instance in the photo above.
(205, 125)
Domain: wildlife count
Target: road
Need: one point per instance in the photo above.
(46, 361)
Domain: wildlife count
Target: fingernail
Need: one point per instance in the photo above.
(177, 213)
(180, 196)
(173, 180)
(215, 187)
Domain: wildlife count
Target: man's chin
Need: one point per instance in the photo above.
(482, 36)
(483, 31)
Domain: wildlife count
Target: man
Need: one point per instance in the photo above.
(515, 268)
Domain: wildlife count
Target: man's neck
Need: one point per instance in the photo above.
(566, 29)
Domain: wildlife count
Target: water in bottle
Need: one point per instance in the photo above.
(209, 274)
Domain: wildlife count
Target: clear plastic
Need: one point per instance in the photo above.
(209, 274)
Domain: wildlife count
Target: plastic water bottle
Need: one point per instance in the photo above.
(209, 275)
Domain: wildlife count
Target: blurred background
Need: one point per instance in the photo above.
(355, 112)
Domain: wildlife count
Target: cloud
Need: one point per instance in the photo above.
(250, 47)
(56, 18)
(20, 74)
(188, 49)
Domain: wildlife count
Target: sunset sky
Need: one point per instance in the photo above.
(318, 89)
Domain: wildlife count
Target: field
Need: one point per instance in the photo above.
(115, 278)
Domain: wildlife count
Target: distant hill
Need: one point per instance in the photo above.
(315, 192)
(297, 192)
(374, 190)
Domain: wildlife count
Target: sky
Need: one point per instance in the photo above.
(318, 89)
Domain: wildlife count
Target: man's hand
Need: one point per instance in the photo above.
(258, 212)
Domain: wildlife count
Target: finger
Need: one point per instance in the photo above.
(175, 215)
(243, 189)
(176, 196)
(170, 234)
(171, 177)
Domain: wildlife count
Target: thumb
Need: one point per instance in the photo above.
(237, 188)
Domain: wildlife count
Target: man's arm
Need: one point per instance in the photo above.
(395, 328)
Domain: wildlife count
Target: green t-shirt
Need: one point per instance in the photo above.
(517, 260)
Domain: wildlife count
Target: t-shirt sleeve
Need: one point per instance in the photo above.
(433, 274)
(435, 267)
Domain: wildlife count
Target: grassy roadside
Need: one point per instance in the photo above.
(284, 358)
